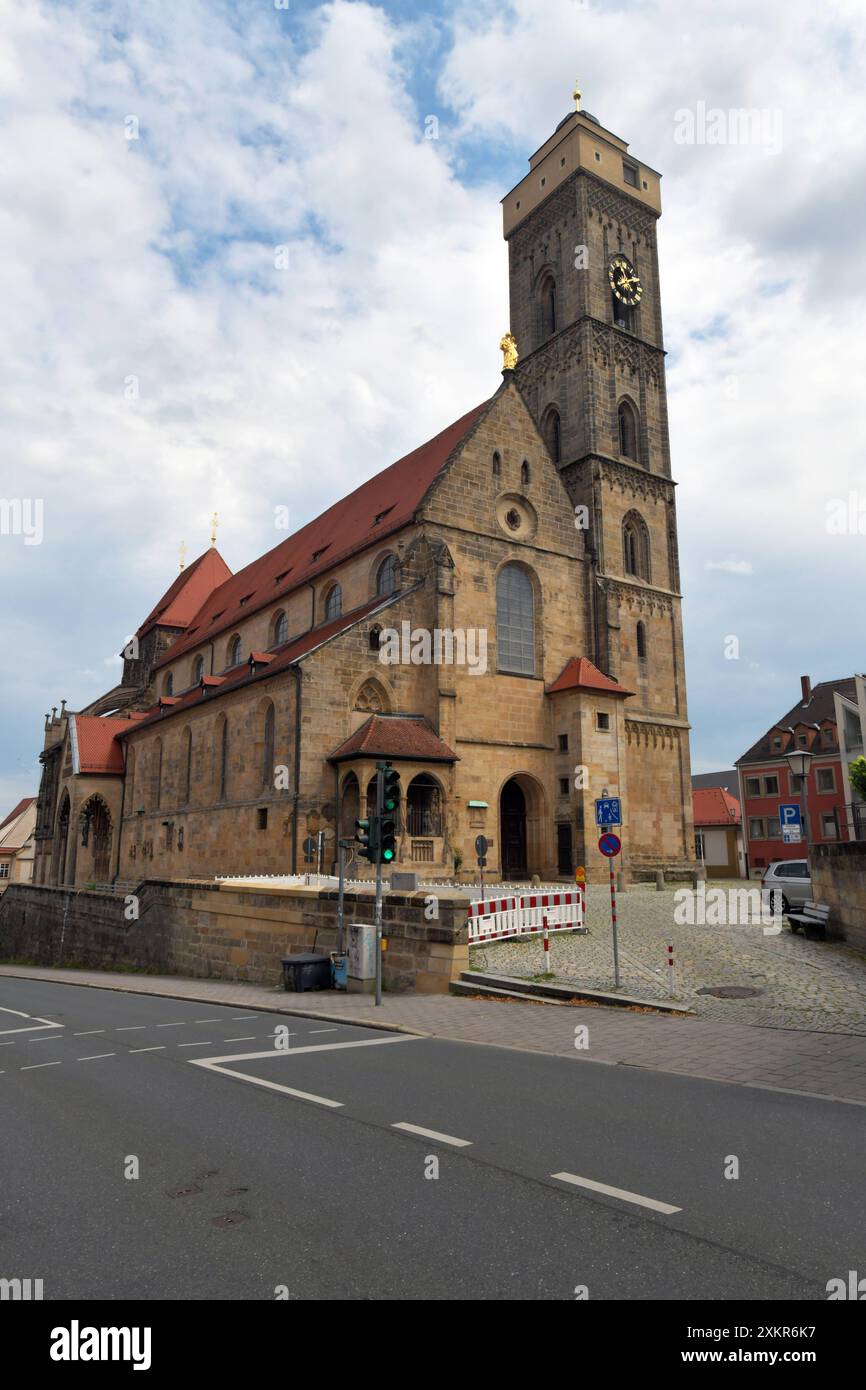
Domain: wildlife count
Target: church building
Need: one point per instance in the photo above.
(497, 613)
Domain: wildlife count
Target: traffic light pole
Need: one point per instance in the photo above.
(380, 789)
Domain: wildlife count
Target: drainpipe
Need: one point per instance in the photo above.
(298, 674)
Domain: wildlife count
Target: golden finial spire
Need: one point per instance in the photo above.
(576, 95)
(182, 554)
(508, 348)
(214, 523)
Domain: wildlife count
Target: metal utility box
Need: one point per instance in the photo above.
(362, 957)
(306, 971)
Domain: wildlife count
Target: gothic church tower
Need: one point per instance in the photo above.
(586, 313)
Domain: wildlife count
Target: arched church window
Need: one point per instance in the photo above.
(281, 629)
(168, 685)
(375, 638)
(197, 670)
(497, 464)
(524, 473)
(548, 307)
(386, 577)
(234, 652)
(334, 603)
(635, 546)
(641, 641)
(627, 422)
(552, 431)
(515, 621)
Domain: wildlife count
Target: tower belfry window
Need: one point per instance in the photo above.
(549, 322)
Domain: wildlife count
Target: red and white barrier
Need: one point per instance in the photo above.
(524, 914)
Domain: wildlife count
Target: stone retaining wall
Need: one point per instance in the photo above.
(208, 930)
(839, 879)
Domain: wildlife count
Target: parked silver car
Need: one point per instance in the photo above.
(790, 877)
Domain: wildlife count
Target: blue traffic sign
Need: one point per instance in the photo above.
(610, 845)
(608, 811)
(790, 814)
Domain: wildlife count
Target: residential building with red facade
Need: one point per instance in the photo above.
(766, 780)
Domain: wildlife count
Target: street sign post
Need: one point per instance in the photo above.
(608, 810)
(791, 821)
(610, 846)
(481, 846)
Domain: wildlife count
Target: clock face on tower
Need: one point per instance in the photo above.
(624, 281)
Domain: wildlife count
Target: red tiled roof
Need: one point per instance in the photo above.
(98, 749)
(281, 660)
(348, 526)
(19, 809)
(715, 806)
(580, 674)
(183, 599)
(395, 736)
(818, 709)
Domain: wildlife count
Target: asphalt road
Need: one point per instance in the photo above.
(296, 1173)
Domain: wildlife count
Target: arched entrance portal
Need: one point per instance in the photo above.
(512, 830)
(96, 833)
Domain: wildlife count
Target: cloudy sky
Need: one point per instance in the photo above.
(157, 363)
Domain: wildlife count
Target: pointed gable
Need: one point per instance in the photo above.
(579, 673)
(192, 587)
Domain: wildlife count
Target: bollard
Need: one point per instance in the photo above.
(546, 948)
(660, 879)
(620, 880)
(671, 982)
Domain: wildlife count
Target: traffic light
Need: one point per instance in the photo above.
(367, 838)
(390, 809)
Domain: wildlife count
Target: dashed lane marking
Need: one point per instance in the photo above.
(97, 1057)
(34, 1066)
(251, 1038)
(433, 1134)
(161, 1048)
(324, 1030)
(198, 1044)
(91, 1033)
(131, 1028)
(182, 1024)
(635, 1197)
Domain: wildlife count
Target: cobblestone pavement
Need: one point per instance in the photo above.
(814, 986)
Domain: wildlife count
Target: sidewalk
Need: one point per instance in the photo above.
(830, 1065)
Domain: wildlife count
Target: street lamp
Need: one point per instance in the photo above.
(799, 763)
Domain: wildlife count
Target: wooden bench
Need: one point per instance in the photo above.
(812, 920)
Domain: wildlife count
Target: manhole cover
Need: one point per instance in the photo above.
(730, 991)
(230, 1218)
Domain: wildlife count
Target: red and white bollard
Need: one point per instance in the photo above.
(671, 981)
(546, 947)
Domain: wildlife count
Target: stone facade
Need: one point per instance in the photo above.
(839, 880)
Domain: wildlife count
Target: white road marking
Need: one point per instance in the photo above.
(131, 1028)
(34, 1066)
(324, 1030)
(207, 1020)
(172, 1025)
(35, 1026)
(216, 1064)
(251, 1038)
(619, 1192)
(52, 1037)
(433, 1134)
(146, 1049)
(89, 1034)
(198, 1044)
(97, 1057)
